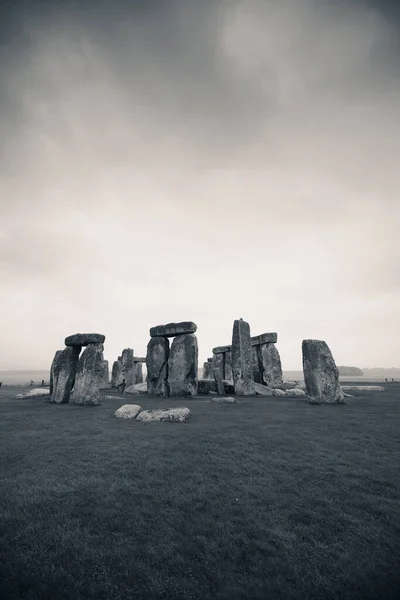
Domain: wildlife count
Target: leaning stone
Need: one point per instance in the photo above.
(220, 400)
(138, 389)
(262, 390)
(157, 366)
(173, 329)
(264, 338)
(57, 354)
(64, 374)
(278, 392)
(295, 393)
(128, 411)
(175, 415)
(221, 349)
(84, 339)
(183, 366)
(127, 366)
(242, 360)
(116, 375)
(86, 388)
(362, 388)
(321, 374)
(271, 365)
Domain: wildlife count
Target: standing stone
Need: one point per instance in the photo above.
(64, 374)
(218, 371)
(242, 359)
(183, 366)
(257, 364)
(57, 354)
(321, 375)
(228, 373)
(127, 366)
(271, 367)
(137, 372)
(88, 375)
(208, 371)
(157, 366)
(116, 374)
(105, 375)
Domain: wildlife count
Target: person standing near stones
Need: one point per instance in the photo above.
(42, 382)
(31, 382)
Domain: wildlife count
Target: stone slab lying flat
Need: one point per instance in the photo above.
(221, 349)
(362, 388)
(140, 359)
(138, 389)
(262, 390)
(278, 392)
(295, 393)
(264, 338)
(174, 415)
(173, 329)
(83, 339)
(128, 411)
(220, 400)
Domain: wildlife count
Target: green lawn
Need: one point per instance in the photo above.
(264, 499)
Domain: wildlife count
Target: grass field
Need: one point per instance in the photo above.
(263, 499)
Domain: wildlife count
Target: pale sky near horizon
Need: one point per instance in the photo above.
(206, 161)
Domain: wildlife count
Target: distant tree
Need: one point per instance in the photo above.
(350, 371)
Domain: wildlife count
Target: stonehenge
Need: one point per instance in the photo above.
(242, 361)
(208, 369)
(77, 377)
(172, 370)
(321, 375)
(128, 367)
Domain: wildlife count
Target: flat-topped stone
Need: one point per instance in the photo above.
(173, 329)
(264, 338)
(221, 349)
(84, 339)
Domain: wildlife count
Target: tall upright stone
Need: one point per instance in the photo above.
(105, 375)
(64, 374)
(116, 374)
(88, 375)
(242, 359)
(137, 372)
(228, 373)
(271, 366)
(207, 370)
(157, 366)
(321, 375)
(57, 354)
(183, 366)
(127, 366)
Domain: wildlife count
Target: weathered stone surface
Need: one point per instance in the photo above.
(138, 389)
(271, 365)
(264, 338)
(35, 393)
(219, 400)
(64, 374)
(139, 359)
(257, 364)
(295, 393)
(173, 329)
(278, 392)
(57, 354)
(219, 380)
(119, 358)
(128, 411)
(127, 366)
(262, 390)
(183, 366)
(88, 372)
(242, 360)
(221, 349)
(208, 371)
(228, 373)
(157, 366)
(321, 374)
(300, 385)
(209, 360)
(84, 339)
(116, 374)
(137, 372)
(205, 386)
(288, 385)
(362, 388)
(174, 415)
(104, 377)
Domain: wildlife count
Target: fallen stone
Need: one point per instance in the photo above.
(362, 388)
(157, 366)
(112, 398)
(321, 374)
(138, 389)
(262, 390)
(278, 392)
(288, 385)
(57, 354)
(271, 365)
(84, 339)
(220, 400)
(264, 338)
(173, 329)
(128, 411)
(221, 349)
(86, 388)
(64, 374)
(35, 393)
(242, 359)
(116, 374)
(174, 415)
(183, 366)
(295, 393)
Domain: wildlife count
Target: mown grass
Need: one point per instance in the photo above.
(263, 499)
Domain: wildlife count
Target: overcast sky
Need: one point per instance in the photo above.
(183, 160)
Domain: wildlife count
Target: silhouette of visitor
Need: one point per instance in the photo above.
(1, 383)
(121, 387)
(386, 379)
(31, 382)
